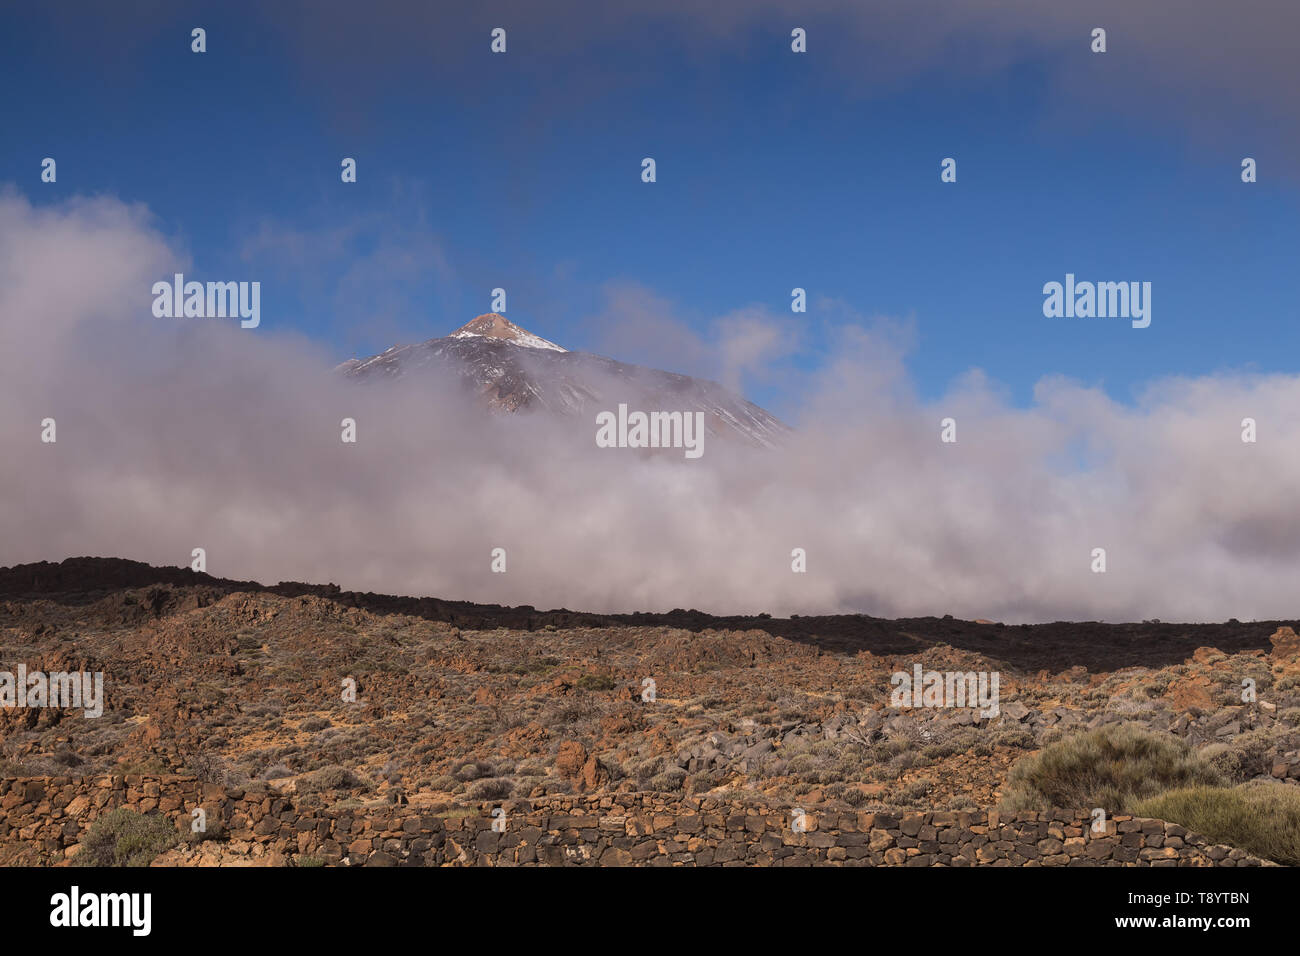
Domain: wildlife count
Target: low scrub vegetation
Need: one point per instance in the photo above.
(1112, 767)
(1259, 817)
(126, 838)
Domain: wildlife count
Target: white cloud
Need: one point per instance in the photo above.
(175, 434)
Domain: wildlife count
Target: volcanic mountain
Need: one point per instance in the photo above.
(512, 370)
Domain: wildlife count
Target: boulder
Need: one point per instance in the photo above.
(570, 759)
(1285, 642)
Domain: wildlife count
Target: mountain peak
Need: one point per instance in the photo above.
(477, 357)
(492, 325)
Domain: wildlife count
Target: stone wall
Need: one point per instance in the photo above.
(46, 817)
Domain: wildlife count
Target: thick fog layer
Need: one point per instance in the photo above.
(175, 434)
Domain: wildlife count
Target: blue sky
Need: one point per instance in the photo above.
(775, 170)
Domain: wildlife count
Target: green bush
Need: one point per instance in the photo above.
(1260, 817)
(1111, 767)
(125, 838)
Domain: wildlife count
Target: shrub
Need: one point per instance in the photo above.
(915, 791)
(567, 711)
(1245, 756)
(647, 770)
(804, 764)
(1018, 738)
(853, 796)
(596, 682)
(1260, 817)
(126, 838)
(473, 770)
(895, 766)
(1111, 767)
(208, 767)
(495, 789)
(966, 740)
(540, 665)
(328, 778)
(703, 781)
(1221, 757)
(669, 780)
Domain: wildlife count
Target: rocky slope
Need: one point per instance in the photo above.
(456, 703)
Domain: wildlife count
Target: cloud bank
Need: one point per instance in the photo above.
(176, 434)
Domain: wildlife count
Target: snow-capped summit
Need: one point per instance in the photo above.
(540, 376)
(491, 325)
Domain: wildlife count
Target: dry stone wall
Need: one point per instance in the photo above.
(50, 815)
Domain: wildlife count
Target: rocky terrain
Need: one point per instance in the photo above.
(457, 706)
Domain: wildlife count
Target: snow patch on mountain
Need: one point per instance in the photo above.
(499, 362)
(492, 325)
